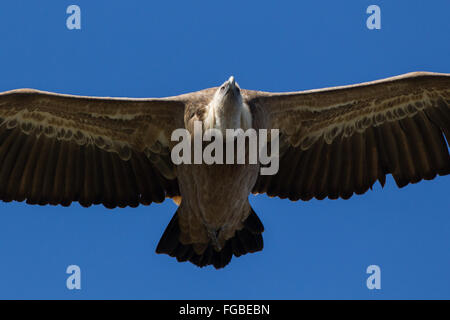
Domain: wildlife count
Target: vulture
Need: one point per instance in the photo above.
(331, 143)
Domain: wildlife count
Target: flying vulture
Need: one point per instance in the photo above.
(333, 142)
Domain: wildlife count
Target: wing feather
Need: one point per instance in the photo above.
(56, 149)
(349, 137)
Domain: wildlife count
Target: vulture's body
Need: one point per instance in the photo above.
(211, 212)
(335, 142)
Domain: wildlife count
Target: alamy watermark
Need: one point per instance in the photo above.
(74, 280)
(74, 20)
(235, 147)
(374, 280)
(374, 20)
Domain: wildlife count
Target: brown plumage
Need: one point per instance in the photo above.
(334, 142)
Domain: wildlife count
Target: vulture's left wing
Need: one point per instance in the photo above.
(55, 149)
(339, 141)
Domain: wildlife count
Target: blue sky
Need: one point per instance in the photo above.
(315, 249)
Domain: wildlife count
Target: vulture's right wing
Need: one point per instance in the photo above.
(55, 149)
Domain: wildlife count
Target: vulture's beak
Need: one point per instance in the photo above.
(231, 82)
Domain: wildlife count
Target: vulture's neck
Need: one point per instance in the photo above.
(228, 114)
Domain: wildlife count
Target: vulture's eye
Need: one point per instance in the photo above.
(222, 88)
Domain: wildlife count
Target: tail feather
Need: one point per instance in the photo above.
(247, 240)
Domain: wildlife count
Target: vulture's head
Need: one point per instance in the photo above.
(229, 93)
(227, 110)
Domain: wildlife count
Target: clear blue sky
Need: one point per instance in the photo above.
(315, 249)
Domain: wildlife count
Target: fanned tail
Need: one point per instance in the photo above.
(247, 240)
